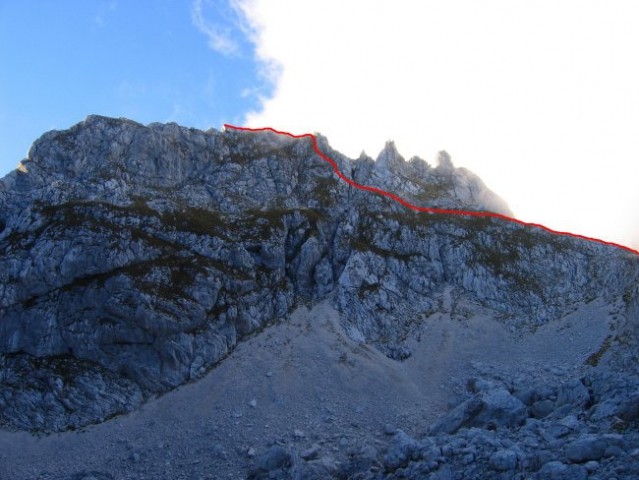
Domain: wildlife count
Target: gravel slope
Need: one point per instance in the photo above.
(304, 382)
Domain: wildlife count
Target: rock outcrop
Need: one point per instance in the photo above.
(572, 441)
(133, 258)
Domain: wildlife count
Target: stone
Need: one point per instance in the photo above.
(430, 452)
(400, 451)
(480, 384)
(274, 458)
(326, 464)
(492, 408)
(614, 451)
(458, 417)
(592, 447)
(526, 395)
(443, 473)
(500, 408)
(562, 427)
(573, 393)
(570, 421)
(617, 396)
(310, 453)
(389, 429)
(503, 460)
(546, 392)
(591, 466)
(482, 439)
(556, 470)
(542, 408)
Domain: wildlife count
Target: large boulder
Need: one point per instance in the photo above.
(557, 470)
(593, 447)
(491, 409)
(573, 393)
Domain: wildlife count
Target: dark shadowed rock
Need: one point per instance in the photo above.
(275, 457)
(493, 408)
(556, 470)
(503, 460)
(458, 417)
(402, 449)
(500, 409)
(573, 393)
(592, 447)
(542, 408)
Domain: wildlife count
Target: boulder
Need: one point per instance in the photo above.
(542, 408)
(274, 458)
(592, 447)
(573, 393)
(457, 417)
(557, 470)
(503, 460)
(500, 409)
(401, 450)
(493, 408)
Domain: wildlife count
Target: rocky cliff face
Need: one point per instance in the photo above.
(133, 258)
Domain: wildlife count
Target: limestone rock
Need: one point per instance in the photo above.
(592, 447)
(146, 253)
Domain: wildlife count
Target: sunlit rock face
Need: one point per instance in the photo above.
(133, 258)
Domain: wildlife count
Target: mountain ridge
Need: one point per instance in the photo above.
(134, 259)
(216, 206)
(390, 156)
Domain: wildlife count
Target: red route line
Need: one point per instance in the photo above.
(465, 213)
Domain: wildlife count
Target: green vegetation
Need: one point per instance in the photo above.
(362, 243)
(503, 255)
(430, 192)
(96, 215)
(365, 289)
(66, 367)
(595, 358)
(621, 426)
(325, 189)
(195, 220)
(629, 294)
(260, 224)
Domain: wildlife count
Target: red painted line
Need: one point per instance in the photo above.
(465, 213)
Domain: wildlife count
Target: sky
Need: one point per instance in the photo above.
(539, 98)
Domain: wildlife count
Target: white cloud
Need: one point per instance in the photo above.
(539, 98)
(219, 38)
(104, 10)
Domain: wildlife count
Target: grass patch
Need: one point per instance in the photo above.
(325, 189)
(595, 358)
(629, 294)
(195, 220)
(430, 192)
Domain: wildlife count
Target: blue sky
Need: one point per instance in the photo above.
(539, 98)
(145, 60)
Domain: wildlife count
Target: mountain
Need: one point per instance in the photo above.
(134, 259)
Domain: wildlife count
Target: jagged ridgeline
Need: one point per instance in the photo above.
(133, 258)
